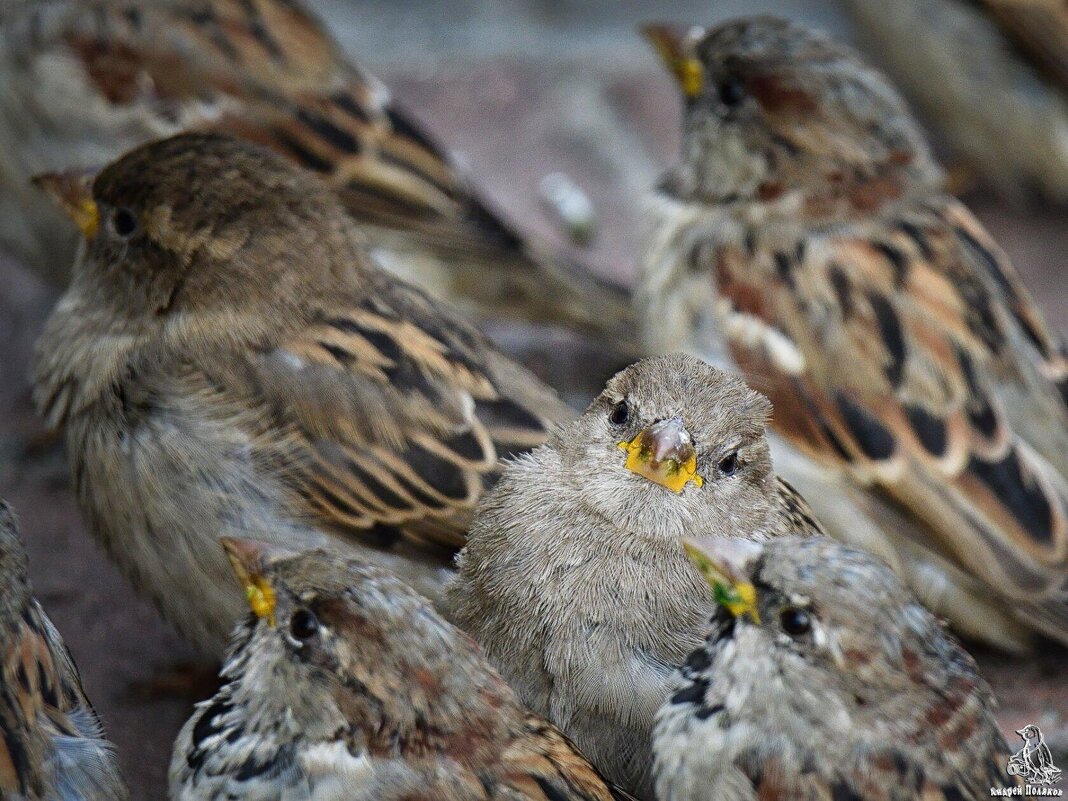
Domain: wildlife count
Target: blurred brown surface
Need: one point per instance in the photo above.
(610, 123)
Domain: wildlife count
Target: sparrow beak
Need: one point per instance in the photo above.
(73, 192)
(248, 559)
(675, 48)
(664, 454)
(726, 564)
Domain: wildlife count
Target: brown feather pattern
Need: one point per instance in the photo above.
(933, 323)
(266, 71)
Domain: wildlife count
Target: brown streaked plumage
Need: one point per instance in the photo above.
(920, 393)
(52, 747)
(345, 683)
(828, 681)
(88, 81)
(227, 360)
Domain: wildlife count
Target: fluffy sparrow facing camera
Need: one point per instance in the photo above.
(228, 361)
(52, 747)
(574, 580)
(823, 678)
(991, 76)
(920, 394)
(345, 684)
(84, 81)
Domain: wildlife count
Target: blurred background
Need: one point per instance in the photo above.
(518, 89)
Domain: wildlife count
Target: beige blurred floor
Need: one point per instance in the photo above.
(518, 89)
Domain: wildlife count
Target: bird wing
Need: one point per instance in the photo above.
(912, 357)
(798, 519)
(1039, 29)
(386, 417)
(266, 71)
(51, 737)
(543, 765)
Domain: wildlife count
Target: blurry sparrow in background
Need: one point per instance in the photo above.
(920, 394)
(81, 83)
(991, 76)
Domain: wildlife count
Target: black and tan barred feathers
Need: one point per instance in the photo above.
(945, 343)
(51, 745)
(444, 422)
(266, 71)
(891, 333)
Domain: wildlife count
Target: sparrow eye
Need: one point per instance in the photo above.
(731, 91)
(124, 223)
(728, 465)
(303, 625)
(795, 622)
(620, 414)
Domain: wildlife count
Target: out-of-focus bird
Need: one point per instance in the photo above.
(82, 82)
(228, 361)
(345, 684)
(990, 75)
(918, 393)
(574, 580)
(52, 747)
(823, 678)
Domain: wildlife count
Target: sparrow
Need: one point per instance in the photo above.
(919, 395)
(823, 678)
(52, 746)
(343, 683)
(1000, 100)
(228, 360)
(574, 580)
(84, 81)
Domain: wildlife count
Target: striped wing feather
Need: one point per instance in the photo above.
(919, 363)
(388, 416)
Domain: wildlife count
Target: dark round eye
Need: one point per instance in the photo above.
(794, 621)
(303, 625)
(731, 91)
(728, 465)
(620, 414)
(124, 222)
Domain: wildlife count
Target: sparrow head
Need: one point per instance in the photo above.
(773, 107)
(197, 224)
(671, 442)
(817, 613)
(338, 639)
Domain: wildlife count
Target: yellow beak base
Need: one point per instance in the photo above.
(670, 45)
(72, 192)
(664, 453)
(245, 556)
(738, 597)
(669, 473)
